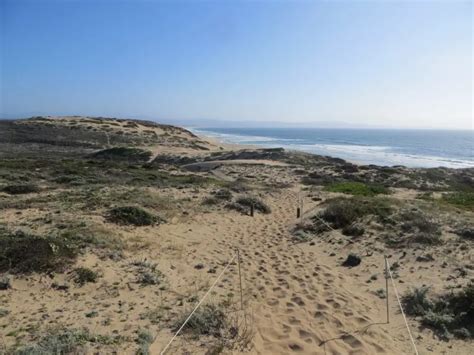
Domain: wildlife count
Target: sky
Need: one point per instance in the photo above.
(400, 64)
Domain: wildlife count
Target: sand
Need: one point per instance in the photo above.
(297, 298)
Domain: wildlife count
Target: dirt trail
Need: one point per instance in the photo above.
(299, 303)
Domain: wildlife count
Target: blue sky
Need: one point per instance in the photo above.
(381, 63)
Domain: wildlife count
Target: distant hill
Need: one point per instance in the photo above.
(81, 133)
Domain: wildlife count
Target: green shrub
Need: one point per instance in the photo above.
(357, 188)
(257, 203)
(132, 216)
(4, 312)
(123, 154)
(465, 232)
(211, 201)
(343, 212)
(449, 315)
(147, 273)
(144, 339)
(424, 230)
(21, 252)
(209, 319)
(460, 199)
(223, 194)
(5, 283)
(20, 189)
(64, 341)
(416, 302)
(83, 275)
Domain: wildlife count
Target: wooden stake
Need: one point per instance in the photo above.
(298, 212)
(387, 275)
(240, 281)
(301, 204)
(251, 210)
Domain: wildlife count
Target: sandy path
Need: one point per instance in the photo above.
(299, 303)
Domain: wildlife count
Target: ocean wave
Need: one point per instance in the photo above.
(240, 139)
(382, 155)
(358, 153)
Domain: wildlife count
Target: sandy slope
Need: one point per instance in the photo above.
(300, 300)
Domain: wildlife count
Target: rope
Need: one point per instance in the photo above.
(197, 306)
(394, 287)
(401, 308)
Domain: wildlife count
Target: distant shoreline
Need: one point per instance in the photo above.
(362, 147)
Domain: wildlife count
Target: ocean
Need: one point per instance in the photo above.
(387, 147)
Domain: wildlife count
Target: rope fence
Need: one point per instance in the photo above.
(236, 255)
(388, 273)
(400, 305)
(300, 215)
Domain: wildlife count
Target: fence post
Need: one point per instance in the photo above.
(240, 281)
(386, 286)
(302, 207)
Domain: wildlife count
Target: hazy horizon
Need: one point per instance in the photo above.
(359, 64)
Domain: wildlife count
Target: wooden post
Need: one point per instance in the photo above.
(298, 212)
(301, 205)
(251, 210)
(387, 275)
(240, 281)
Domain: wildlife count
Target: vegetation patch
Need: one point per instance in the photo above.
(123, 154)
(144, 340)
(20, 189)
(147, 273)
(83, 275)
(130, 215)
(209, 319)
(223, 194)
(22, 253)
(65, 341)
(257, 203)
(5, 283)
(343, 212)
(357, 189)
(465, 232)
(421, 228)
(449, 315)
(463, 200)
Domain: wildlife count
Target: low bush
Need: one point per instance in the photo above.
(460, 199)
(223, 194)
(449, 315)
(209, 319)
(357, 188)
(236, 207)
(423, 229)
(465, 232)
(144, 340)
(353, 230)
(130, 215)
(416, 302)
(211, 201)
(343, 212)
(256, 202)
(123, 154)
(83, 275)
(65, 341)
(5, 283)
(22, 253)
(20, 189)
(147, 273)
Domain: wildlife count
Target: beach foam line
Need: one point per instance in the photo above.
(361, 154)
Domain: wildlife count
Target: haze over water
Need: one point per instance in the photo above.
(412, 148)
